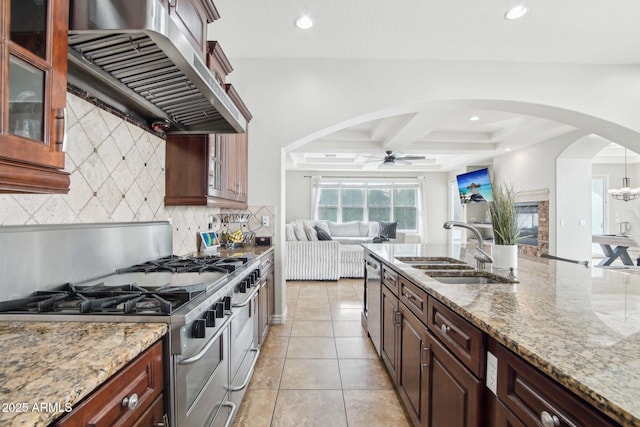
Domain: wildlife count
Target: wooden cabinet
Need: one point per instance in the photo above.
(191, 17)
(389, 340)
(506, 418)
(534, 399)
(390, 279)
(208, 169)
(436, 388)
(461, 337)
(33, 83)
(266, 296)
(131, 396)
(413, 379)
(455, 394)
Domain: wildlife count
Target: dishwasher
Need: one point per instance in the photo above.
(372, 304)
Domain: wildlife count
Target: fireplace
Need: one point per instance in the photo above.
(527, 217)
(533, 217)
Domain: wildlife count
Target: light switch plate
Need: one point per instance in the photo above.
(492, 373)
(265, 221)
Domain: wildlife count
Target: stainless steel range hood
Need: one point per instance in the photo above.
(130, 54)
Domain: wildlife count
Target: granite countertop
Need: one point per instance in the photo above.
(256, 251)
(48, 367)
(581, 326)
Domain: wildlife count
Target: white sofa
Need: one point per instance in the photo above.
(308, 258)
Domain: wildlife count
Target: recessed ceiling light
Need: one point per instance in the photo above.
(304, 22)
(474, 118)
(516, 12)
(507, 148)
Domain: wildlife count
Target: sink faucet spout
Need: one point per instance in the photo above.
(480, 255)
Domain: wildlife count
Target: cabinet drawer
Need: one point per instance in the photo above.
(531, 395)
(458, 335)
(143, 377)
(414, 298)
(266, 264)
(390, 279)
(154, 416)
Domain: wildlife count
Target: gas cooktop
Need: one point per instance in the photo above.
(156, 287)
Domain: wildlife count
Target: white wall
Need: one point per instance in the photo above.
(298, 195)
(573, 204)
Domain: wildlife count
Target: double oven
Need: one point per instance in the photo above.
(209, 304)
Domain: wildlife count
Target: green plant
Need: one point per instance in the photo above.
(506, 230)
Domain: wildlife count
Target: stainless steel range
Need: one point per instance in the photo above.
(208, 303)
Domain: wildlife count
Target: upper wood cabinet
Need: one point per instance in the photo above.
(208, 169)
(33, 82)
(191, 18)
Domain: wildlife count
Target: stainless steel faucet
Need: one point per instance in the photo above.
(482, 258)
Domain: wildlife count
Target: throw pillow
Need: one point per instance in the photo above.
(290, 234)
(388, 229)
(322, 235)
(324, 225)
(311, 232)
(380, 239)
(300, 233)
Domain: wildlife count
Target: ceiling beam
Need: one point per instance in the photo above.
(416, 128)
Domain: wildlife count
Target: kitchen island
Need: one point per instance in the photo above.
(580, 326)
(48, 367)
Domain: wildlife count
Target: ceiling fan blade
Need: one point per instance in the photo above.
(402, 162)
(373, 157)
(410, 158)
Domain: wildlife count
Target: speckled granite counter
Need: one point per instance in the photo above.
(47, 367)
(581, 326)
(256, 251)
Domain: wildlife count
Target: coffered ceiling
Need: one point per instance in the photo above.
(568, 31)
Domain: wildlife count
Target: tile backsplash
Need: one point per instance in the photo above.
(117, 175)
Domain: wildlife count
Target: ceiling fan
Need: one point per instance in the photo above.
(392, 158)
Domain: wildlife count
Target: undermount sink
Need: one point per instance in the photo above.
(469, 277)
(442, 266)
(427, 260)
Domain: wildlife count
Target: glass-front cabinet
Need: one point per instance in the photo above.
(33, 69)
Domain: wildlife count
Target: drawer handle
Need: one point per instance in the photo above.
(445, 328)
(131, 402)
(549, 420)
(409, 297)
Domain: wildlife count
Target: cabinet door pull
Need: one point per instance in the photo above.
(131, 402)
(164, 422)
(397, 319)
(422, 363)
(61, 129)
(445, 328)
(549, 420)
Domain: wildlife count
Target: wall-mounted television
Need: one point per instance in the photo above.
(475, 187)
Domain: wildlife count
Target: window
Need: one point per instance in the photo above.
(373, 201)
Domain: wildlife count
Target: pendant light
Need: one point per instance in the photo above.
(625, 193)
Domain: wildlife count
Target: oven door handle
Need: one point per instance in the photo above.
(199, 355)
(248, 300)
(232, 413)
(249, 373)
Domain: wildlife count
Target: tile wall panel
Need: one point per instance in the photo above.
(117, 175)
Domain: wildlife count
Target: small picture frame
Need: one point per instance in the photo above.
(209, 240)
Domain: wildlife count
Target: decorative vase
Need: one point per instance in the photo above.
(505, 256)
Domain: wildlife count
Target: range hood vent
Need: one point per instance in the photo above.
(131, 54)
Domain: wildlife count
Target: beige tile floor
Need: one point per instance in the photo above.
(319, 368)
